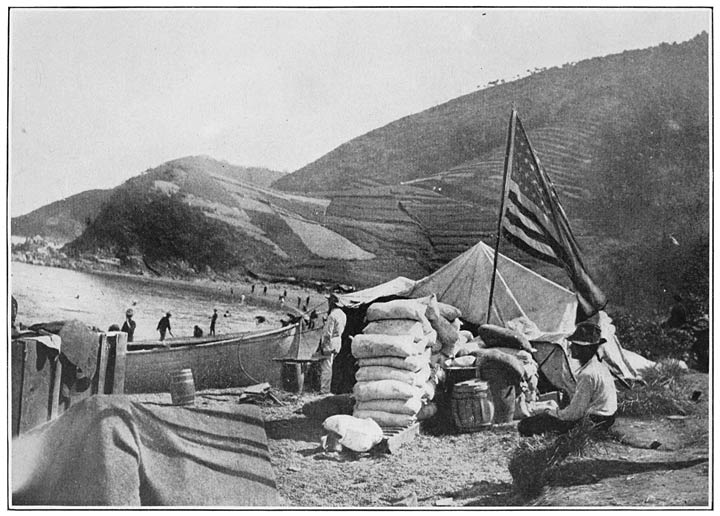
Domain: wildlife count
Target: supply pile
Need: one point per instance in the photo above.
(396, 378)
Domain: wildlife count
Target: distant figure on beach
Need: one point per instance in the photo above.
(227, 313)
(307, 303)
(252, 288)
(313, 318)
(212, 322)
(299, 301)
(265, 290)
(231, 291)
(259, 319)
(129, 325)
(242, 299)
(164, 326)
(285, 294)
(197, 331)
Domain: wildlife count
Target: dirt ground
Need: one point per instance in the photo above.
(659, 462)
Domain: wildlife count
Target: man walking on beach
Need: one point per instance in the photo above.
(129, 325)
(331, 342)
(164, 326)
(212, 322)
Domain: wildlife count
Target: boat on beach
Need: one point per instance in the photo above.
(217, 362)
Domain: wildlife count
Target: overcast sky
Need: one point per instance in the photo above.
(98, 96)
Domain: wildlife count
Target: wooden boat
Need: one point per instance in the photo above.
(218, 362)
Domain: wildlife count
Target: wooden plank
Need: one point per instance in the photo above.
(118, 377)
(56, 388)
(99, 384)
(396, 436)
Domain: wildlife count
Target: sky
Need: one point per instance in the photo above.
(97, 96)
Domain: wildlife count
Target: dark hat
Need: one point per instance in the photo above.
(587, 334)
(168, 314)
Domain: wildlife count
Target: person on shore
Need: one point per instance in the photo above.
(312, 318)
(265, 290)
(299, 301)
(197, 331)
(252, 288)
(129, 325)
(242, 299)
(164, 326)
(213, 319)
(307, 303)
(331, 342)
(595, 395)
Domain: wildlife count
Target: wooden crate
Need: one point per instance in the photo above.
(35, 389)
(36, 373)
(395, 437)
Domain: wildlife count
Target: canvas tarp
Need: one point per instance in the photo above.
(465, 283)
(111, 451)
(554, 360)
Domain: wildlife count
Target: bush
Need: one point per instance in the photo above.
(650, 339)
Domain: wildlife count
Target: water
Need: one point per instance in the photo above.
(52, 294)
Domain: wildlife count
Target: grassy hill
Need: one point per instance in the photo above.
(623, 137)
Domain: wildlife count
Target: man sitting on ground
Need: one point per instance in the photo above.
(595, 395)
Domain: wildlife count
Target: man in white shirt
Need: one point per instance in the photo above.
(331, 342)
(595, 395)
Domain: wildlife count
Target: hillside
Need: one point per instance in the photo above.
(623, 137)
(65, 220)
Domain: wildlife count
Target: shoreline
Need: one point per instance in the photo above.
(224, 289)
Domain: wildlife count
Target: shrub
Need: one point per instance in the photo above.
(650, 339)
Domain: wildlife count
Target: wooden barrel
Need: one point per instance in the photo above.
(293, 376)
(472, 408)
(182, 387)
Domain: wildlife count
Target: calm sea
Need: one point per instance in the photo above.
(52, 294)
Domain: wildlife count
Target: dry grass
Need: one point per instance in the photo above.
(535, 459)
(663, 393)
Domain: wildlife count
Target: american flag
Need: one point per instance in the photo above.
(535, 221)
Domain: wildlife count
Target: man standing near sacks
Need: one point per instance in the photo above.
(595, 395)
(331, 342)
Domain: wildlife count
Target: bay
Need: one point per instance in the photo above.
(51, 294)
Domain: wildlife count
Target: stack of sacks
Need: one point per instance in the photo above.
(394, 376)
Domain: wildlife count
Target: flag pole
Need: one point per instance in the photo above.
(508, 159)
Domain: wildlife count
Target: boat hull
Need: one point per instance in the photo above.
(238, 361)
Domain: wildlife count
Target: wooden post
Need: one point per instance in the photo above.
(508, 160)
(118, 378)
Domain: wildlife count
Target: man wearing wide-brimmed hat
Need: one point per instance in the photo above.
(595, 394)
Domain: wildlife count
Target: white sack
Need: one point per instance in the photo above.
(372, 373)
(364, 346)
(386, 390)
(409, 407)
(385, 418)
(396, 327)
(355, 433)
(413, 363)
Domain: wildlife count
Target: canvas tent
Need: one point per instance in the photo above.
(465, 283)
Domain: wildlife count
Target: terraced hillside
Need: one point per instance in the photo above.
(624, 138)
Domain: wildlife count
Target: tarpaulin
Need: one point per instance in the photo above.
(111, 451)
